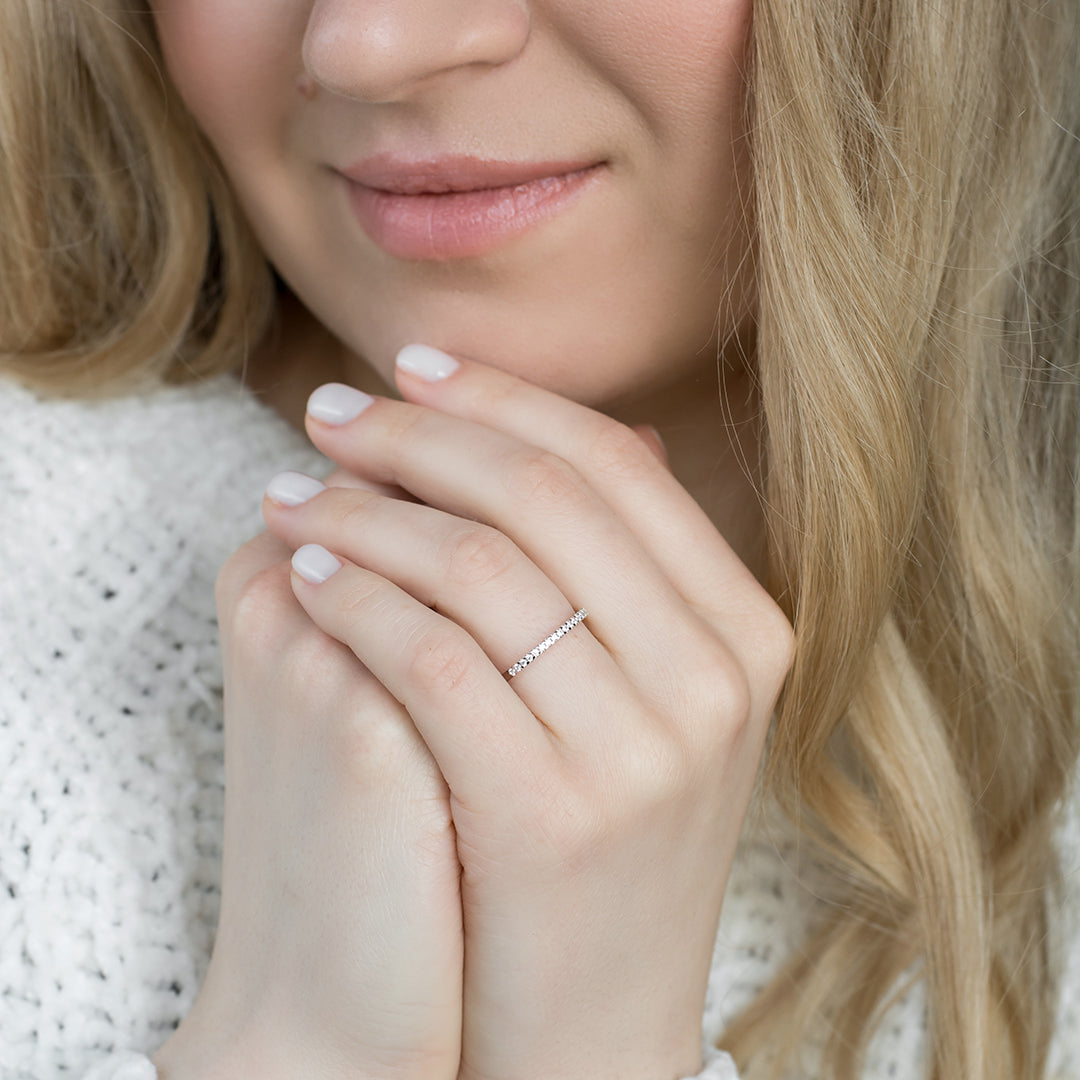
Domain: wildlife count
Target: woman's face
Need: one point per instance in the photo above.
(376, 146)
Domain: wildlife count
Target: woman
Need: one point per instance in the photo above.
(831, 255)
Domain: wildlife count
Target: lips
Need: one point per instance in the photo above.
(459, 207)
(453, 174)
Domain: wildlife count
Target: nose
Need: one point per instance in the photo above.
(384, 50)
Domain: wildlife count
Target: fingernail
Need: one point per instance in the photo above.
(314, 563)
(336, 403)
(426, 363)
(293, 488)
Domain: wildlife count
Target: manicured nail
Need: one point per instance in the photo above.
(336, 403)
(314, 563)
(293, 488)
(426, 363)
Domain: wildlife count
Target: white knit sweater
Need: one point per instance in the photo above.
(117, 516)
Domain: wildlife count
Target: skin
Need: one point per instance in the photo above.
(613, 304)
(430, 870)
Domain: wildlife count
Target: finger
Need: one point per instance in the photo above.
(544, 506)
(344, 479)
(653, 440)
(484, 738)
(341, 477)
(617, 464)
(259, 554)
(473, 575)
(613, 459)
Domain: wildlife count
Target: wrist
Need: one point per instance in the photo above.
(188, 1055)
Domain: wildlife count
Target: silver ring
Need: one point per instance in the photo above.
(546, 644)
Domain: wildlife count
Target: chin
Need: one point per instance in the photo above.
(578, 378)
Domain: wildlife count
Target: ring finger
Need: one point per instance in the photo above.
(544, 506)
(470, 573)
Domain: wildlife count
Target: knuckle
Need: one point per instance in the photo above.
(440, 665)
(260, 552)
(541, 477)
(478, 556)
(508, 396)
(313, 659)
(720, 692)
(617, 452)
(259, 609)
(779, 642)
(766, 623)
(352, 509)
(402, 427)
(359, 596)
(226, 585)
(376, 744)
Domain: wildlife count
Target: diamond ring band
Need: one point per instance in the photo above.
(546, 644)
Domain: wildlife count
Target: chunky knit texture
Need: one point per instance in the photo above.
(117, 516)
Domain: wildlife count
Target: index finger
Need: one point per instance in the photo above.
(617, 463)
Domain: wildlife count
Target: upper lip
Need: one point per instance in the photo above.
(437, 176)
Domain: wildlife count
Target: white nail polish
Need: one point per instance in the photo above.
(293, 488)
(336, 403)
(314, 563)
(426, 363)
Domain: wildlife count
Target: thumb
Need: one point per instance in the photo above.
(651, 438)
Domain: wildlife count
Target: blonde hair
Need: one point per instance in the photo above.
(124, 257)
(917, 348)
(918, 230)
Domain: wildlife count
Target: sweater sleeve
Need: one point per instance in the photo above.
(118, 515)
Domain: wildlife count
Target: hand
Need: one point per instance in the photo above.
(597, 796)
(339, 946)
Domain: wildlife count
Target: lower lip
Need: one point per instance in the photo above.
(462, 224)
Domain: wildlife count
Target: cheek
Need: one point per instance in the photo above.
(233, 62)
(680, 72)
